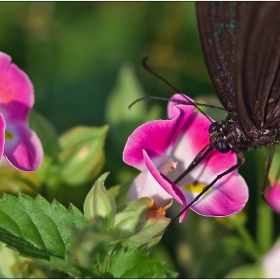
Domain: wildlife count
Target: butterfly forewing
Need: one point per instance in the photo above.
(219, 24)
(258, 60)
(240, 41)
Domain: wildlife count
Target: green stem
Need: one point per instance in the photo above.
(264, 213)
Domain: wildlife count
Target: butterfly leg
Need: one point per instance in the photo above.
(199, 157)
(206, 188)
(268, 165)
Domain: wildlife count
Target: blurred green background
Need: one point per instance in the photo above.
(72, 52)
(76, 55)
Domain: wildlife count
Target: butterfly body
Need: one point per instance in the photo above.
(231, 133)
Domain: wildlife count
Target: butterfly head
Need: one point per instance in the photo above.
(217, 138)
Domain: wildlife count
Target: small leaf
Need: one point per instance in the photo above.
(82, 156)
(131, 214)
(36, 228)
(148, 235)
(150, 228)
(121, 119)
(98, 201)
(135, 264)
(127, 90)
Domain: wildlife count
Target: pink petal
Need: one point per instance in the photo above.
(16, 91)
(155, 137)
(227, 197)
(145, 185)
(166, 184)
(2, 134)
(273, 197)
(24, 151)
(177, 96)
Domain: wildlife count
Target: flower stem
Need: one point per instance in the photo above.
(264, 213)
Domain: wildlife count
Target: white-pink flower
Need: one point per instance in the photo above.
(163, 149)
(271, 262)
(18, 143)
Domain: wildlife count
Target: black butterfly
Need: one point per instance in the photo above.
(241, 46)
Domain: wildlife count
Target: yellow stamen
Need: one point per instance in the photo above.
(8, 135)
(195, 188)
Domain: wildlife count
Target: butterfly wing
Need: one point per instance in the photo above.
(258, 62)
(240, 41)
(219, 23)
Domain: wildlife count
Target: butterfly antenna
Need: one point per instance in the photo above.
(145, 65)
(150, 70)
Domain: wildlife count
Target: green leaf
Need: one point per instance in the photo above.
(119, 193)
(135, 264)
(35, 227)
(82, 156)
(121, 119)
(148, 234)
(91, 240)
(98, 201)
(61, 265)
(131, 214)
(127, 90)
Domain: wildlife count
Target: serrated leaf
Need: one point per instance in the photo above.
(82, 156)
(135, 264)
(36, 228)
(98, 202)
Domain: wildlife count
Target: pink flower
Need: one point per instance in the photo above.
(163, 149)
(273, 197)
(18, 143)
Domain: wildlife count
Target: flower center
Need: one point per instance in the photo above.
(8, 135)
(194, 188)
